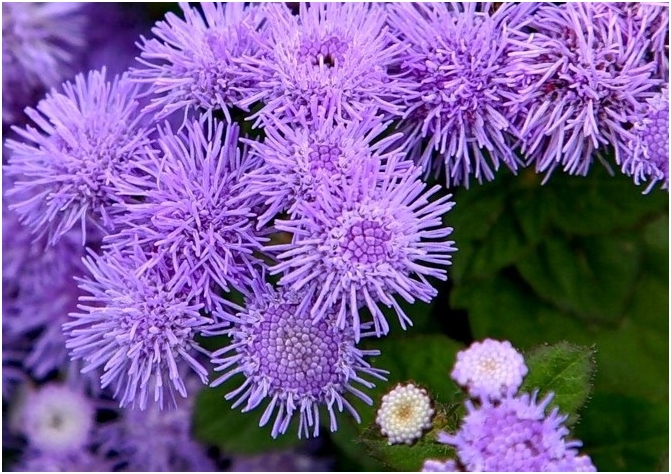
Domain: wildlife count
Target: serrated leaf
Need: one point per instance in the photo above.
(234, 432)
(565, 370)
(403, 457)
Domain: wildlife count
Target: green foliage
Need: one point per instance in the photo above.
(563, 369)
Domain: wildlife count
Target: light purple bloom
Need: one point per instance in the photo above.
(460, 108)
(647, 156)
(490, 369)
(153, 440)
(136, 329)
(190, 218)
(70, 168)
(292, 362)
(330, 55)
(41, 45)
(301, 161)
(584, 85)
(514, 434)
(381, 237)
(198, 62)
(433, 465)
(291, 460)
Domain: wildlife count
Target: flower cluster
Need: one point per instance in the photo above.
(504, 430)
(257, 176)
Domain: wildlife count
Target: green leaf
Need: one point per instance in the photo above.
(234, 432)
(565, 370)
(623, 433)
(403, 457)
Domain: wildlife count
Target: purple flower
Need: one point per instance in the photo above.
(290, 460)
(293, 362)
(514, 434)
(300, 161)
(457, 57)
(152, 440)
(331, 55)
(381, 237)
(198, 62)
(41, 44)
(136, 329)
(70, 168)
(647, 156)
(190, 217)
(57, 419)
(584, 86)
(490, 369)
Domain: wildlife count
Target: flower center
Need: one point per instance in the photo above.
(331, 51)
(366, 242)
(324, 157)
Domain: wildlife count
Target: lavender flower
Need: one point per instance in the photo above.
(296, 364)
(190, 216)
(302, 161)
(41, 45)
(155, 441)
(70, 169)
(199, 61)
(57, 419)
(381, 237)
(290, 460)
(648, 157)
(514, 435)
(457, 57)
(490, 369)
(330, 55)
(584, 85)
(139, 331)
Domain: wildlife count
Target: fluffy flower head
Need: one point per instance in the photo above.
(136, 329)
(513, 435)
(71, 168)
(490, 369)
(199, 61)
(404, 414)
(457, 57)
(380, 238)
(297, 364)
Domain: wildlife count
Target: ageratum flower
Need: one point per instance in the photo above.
(584, 85)
(490, 369)
(198, 62)
(57, 419)
(300, 161)
(433, 465)
(70, 169)
(460, 108)
(647, 156)
(329, 54)
(293, 362)
(383, 236)
(515, 435)
(78, 461)
(41, 45)
(289, 460)
(404, 414)
(136, 329)
(153, 440)
(190, 216)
